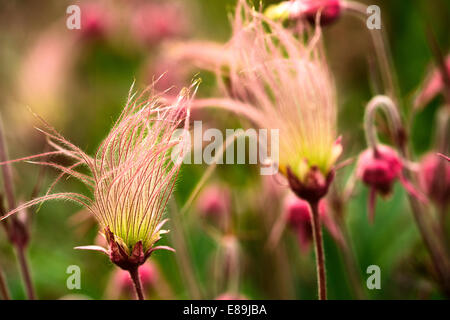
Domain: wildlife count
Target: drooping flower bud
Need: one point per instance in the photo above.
(329, 10)
(379, 168)
(434, 178)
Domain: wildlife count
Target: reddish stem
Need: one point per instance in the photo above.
(318, 246)
(134, 273)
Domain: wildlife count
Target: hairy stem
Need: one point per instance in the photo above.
(134, 274)
(318, 246)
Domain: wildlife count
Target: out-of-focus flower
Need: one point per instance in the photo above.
(44, 73)
(432, 86)
(298, 216)
(434, 178)
(329, 10)
(97, 19)
(156, 21)
(131, 176)
(280, 82)
(379, 168)
(147, 273)
(214, 204)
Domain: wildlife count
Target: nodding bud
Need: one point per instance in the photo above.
(434, 179)
(298, 217)
(147, 273)
(379, 168)
(214, 205)
(329, 10)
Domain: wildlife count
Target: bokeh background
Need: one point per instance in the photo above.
(78, 81)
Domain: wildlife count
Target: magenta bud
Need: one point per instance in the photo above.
(379, 168)
(329, 10)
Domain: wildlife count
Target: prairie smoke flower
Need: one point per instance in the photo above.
(380, 166)
(329, 10)
(283, 83)
(131, 176)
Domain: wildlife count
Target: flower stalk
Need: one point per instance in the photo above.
(134, 274)
(17, 231)
(436, 249)
(319, 252)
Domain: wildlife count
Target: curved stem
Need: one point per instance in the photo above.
(318, 246)
(134, 273)
(387, 105)
(26, 274)
(436, 249)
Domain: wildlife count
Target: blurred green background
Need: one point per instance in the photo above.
(95, 73)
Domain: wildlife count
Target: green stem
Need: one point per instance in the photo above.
(25, 270)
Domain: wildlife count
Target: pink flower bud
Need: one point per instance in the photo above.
(434, 178)
(379, 169)
(329, 10)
